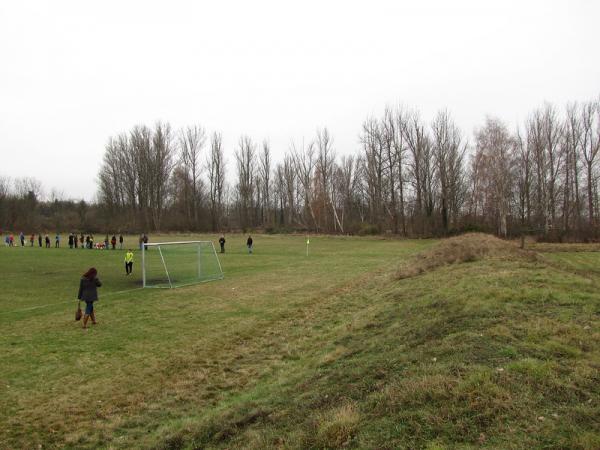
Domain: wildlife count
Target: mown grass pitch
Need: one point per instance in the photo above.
(482, 346)
(156, 357)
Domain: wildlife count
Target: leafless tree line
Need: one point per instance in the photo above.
(409, 176)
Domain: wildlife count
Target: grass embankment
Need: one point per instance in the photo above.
(472, 343)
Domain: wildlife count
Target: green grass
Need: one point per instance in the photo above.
(328, 351)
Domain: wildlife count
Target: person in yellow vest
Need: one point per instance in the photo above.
(129, 261)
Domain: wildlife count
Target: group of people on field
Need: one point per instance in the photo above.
(9, 240)
(74, 241)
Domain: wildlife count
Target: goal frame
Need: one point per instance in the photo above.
(158, 244)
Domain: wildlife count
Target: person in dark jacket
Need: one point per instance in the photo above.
(88, 292)
(40, 240)
(249, 244)
(113, 241)
(222, 243)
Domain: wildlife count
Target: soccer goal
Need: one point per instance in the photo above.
(176, 264)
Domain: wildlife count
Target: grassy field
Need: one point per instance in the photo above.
(351, 347)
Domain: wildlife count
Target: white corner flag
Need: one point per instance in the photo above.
(307, 242)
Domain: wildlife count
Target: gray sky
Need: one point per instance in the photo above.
(73, 73)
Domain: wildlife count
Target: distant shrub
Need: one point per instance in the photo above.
(368, 230)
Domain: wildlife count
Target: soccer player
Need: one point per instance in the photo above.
(128, 262)
(120, 242)
(249, 244)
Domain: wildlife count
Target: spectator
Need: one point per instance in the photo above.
(40, 240)
(249, 244)
(22, 239)
(57, 241)
(47, 239)
(31, 239)
(113, 242)
(88, 292)
(120, 242)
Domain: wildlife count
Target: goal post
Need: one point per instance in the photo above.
(176, 264)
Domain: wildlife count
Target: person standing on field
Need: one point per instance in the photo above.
(47, 241)
(31, 239)
(128, 262)
(81, 240)
(40, 240)
(22, 239)
(88, 292)
(249, 244)
(57, 241)
(222, 243)
(120, 242)
(113, 242)
(71, 240)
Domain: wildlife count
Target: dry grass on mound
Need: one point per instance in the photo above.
(460, 249)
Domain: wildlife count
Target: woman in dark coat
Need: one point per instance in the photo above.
(88, 292)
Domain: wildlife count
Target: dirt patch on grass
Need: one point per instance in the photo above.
(461, 249)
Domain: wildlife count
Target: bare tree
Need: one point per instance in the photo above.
(590, 145)
(216, 179)
(264, 169)
(494, 147)
(191, 143)
(421, 169)
(448, 153)
(244, 156)
(324, 172)
(160, 168)
(373, 168)
(303, 162)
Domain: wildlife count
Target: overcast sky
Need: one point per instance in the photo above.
(73, 73)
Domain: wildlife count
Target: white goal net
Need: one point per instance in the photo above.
(175, 264)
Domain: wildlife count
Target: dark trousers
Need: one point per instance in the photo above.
(222, 248)
(128, 267)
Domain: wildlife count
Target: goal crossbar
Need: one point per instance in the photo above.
(177, 242)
